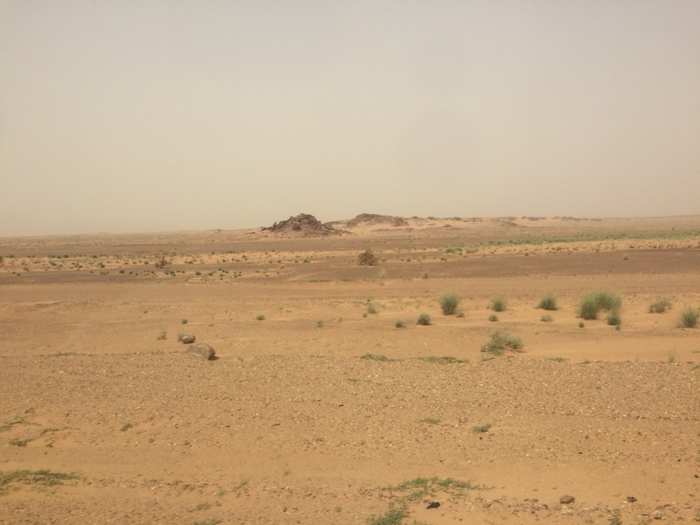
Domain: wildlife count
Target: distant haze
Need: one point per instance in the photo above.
(150, 116)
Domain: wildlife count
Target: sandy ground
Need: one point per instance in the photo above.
(323, 412)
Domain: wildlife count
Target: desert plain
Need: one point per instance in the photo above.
(327, 402)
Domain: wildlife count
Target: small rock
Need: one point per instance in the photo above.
(566, 500)
(657, 515)
(202, 350)
(433, 505)
(187, 339)
(631, 499)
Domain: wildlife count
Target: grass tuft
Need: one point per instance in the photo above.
(499, 342)
(689, 318)
(481, 429)
(11, 423)
(593, 303)
(449, 304)
(375, 357)
(498, 304)
(45, 478)
(424, 320)
(393, 516)
(659, 306)
(444, 360)
(614, 318)
(17, 442)
(548, 302)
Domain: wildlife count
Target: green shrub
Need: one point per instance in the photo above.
(498, 304)
(261, 317)
(593, 303)
(689, 317)
(400, 324)
(548, 302)
(608, 301)
(493, 318)
(449, 304)
(660, 306)
(372, 309)
(499, 342)
(424, 320)
(581, 325)
(614, 318)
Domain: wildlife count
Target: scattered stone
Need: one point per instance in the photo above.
(433, 505)
(187, 339)
(657, 515)
(631, 499)
(367, 258)
(567, 500)
(202, 350)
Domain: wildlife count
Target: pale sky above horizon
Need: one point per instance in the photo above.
(169, 115)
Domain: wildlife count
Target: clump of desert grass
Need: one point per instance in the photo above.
(659, 306)
(498, 304)
(394, 516)
(493, 318)
(424, 320)
(593, 303)
(689, 317)
(399, 324)
(499, 342)
(548, 302)
(375, 357)
(614, 319)
(449, 304)
(44, 478)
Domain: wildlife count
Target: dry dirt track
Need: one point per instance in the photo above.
(292, 425)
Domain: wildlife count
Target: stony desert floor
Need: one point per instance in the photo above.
(319, 409)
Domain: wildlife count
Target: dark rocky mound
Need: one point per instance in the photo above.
(303, 224)
(374, 218)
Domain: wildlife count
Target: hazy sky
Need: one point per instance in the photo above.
(160, 115)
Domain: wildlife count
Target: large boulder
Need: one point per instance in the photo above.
(202, 350)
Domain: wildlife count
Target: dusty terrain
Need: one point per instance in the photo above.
(319, 409)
